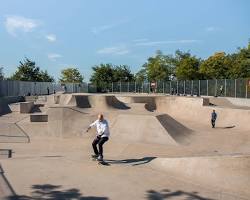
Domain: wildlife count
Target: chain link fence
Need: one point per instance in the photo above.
(23, 88)
(239, 88)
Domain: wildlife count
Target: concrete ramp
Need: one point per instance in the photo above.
(148, 101)
(223, 102)
(178, 131)
(225, 173)
(140, 128)
(99, 102)
(67, 122)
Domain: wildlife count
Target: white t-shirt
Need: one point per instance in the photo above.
(102, 127)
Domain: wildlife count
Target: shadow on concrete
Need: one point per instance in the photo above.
(226, 127)
(150, 106)
(82, 101)
(167, 194)
(4, 107)
(177, 131)
(49, 192)
(37, 108)
(133, 162)
(112, 101)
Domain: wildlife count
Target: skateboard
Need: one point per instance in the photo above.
(101, 162)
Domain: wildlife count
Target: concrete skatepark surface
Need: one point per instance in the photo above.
(161, 147)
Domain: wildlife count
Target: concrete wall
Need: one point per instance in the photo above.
(26, 107)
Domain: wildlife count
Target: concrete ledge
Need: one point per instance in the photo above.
(205, 102)
(5, 153)
(39, 118)
(26, 107)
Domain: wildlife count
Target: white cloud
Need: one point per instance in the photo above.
(51, 37)
(158, 43)
(116, 50)
(54, 56)
(140, 40)
(212, 29)
(99, 29)
(15, 24)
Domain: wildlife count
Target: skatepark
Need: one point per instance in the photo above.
(161, 147)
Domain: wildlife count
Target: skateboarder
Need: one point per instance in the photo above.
(213, 118)
(103, 133)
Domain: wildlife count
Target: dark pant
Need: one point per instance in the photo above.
(100, 141)
(213, 122)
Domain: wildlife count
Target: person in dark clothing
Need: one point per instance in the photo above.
(102, 136)
(213, 118)
(48, 90)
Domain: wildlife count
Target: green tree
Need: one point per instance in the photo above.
(102, 76)
(45, 77)
(141, 75)
(215, 67)
(122, 73)
(240, 63)
(71, 75)
(159, 67)
(187, 68)
(28, 71)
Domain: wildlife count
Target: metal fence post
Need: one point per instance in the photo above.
(163, 87)
(128, 86)
(170, 88)
(215, 92)
(207, 87)
(112, 85)
(246, 87)
(177, 88)
(120, 86)
(235, 90)
(225, 92)
(199, 88)
(135, 86)
(192, 88)
(184, 88)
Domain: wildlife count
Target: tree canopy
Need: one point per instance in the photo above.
(159, 67)
(185, 66)
(71, 75)
(28, 71)
(104, 74)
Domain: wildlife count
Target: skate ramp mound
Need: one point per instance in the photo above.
(218, 101)
(227, 173)
(140, 128)
(67, 122)
(100, 102)
(148, 101)
(178, 131)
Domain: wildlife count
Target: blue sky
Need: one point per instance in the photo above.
(83, 33)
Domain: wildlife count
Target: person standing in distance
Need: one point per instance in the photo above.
(102, 136)
(213, 118)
